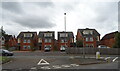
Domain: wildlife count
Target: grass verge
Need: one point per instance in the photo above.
(4, 59)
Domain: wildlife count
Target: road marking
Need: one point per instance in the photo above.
(74, 65)
(43, 62)
(33, 68)
(107, 58)
(45, 67)
(71, 57)
(66, 66)
(56, 67)
(115, 59)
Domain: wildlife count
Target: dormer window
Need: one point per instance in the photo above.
(47, 34)
(28, 35)
(63, 35)
(85, 32)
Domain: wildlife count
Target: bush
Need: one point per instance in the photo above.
(79, 43)
(117, 41)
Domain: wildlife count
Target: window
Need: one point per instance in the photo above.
(91, 32)
(3, 41)
(63, 45)
(63, 35)
(86, 38)
(18, 40)
(39, 40)
(98, 38)
(72, 40)
(28, 35)
(85, 32)
(91, 38)
(87, 45)
(48, 40)
(47, 45)
(47, 34)
(91, 45)
(24, 41)
(24, 47)
(29, 47)
(63, 40)
(28, 41)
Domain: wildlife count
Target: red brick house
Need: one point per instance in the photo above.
(90, 37)
(65, 39)
(10, 41)
(108, 39)
(46, 39)
(27, 40)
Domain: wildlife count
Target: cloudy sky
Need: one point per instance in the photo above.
(49, 16)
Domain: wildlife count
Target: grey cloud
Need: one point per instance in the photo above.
(12, 7)
(35, 22)
(106, 11)
(44, 4)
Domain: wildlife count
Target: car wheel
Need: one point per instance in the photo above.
(6, 54)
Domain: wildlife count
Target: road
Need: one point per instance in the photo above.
(56, 60)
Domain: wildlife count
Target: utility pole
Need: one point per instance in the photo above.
(83, 49)
(65, 28)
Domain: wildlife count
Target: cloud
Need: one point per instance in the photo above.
(44, 4)
(34, 22)
(101, 16)
(12, 7)
(33, 16)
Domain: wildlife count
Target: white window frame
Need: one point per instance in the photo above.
(91, 38)
(28, 47)
(63, 35)
(39, 40)
(24, 41)
(24, 47)
(18, 40)
(86, 39)
(98, 38)
(28, 41)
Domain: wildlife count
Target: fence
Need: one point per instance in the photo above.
(107, 51)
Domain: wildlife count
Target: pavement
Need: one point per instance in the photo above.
(59, 60)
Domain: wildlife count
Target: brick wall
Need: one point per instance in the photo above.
(108, 42)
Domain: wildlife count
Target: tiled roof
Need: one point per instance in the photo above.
(41, 33)
(109, 35)
(7, 37)
(95, 33)
(70, 34)
(21, 35)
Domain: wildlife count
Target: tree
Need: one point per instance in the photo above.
(117, 41)
(79, 43)
(3, 32)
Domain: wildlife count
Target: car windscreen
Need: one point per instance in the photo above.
(5, 50)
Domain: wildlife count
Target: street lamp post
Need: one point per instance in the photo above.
(65, 28)
(83, 49)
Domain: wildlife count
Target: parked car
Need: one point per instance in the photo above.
(6, 52)
(47, 48)
(62, 48)
(103, 46)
